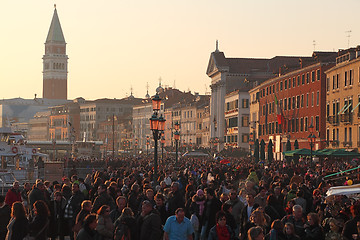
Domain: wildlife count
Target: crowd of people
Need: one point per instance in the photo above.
(199, 199)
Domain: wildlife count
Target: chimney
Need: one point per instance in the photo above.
(358, 51)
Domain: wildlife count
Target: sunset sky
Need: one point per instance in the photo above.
(115, 44)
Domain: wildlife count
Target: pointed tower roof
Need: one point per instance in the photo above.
(55, 32)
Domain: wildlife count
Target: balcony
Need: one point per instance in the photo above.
(334, 120)
(346, 117)
(335, 143)
(347, 144)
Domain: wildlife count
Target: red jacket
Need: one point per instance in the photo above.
(12, 196)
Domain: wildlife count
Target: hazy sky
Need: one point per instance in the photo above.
(115, 44)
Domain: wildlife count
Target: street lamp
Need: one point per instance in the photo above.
(311, 139)
(136, 144)
(147, 145)
(190, 144)
(157, 126)
(177, 138)
(162, 147)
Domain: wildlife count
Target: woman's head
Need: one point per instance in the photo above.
(103, 210)
(289, 228)
(256, 233)
(127, 212)
(221, 218)
(277, 225)
(41, 209)
(313, 219)
(18, 210)
(90, 221)
(258, 218)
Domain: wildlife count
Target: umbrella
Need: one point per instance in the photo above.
(270, 152)
(224, 161)
(262, 149)
(256, 150)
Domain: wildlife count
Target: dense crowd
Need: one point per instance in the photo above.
(200, 198)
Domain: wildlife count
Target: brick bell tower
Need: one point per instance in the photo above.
(55, 63)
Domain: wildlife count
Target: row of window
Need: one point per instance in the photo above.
(235, 104)
(234, 138)
(336, 79)
(336, 136)
(291, 82)
(290, 125)
(347, 108)
(233, 122)
(294, 102)
(98, 109)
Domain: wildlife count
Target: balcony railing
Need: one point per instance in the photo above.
(335, 143)
(346, 117)
(347, 144)
(334, 120)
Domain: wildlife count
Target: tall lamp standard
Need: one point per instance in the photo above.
(311, 139)
(157, 126)
(136, 144)
(162, 147)
(147, 145)
(177, 138)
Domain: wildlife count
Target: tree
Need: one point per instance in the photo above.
(296, 144)
(288, 145)
(270, 152)
(262, 150)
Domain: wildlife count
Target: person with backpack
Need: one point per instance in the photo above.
(125, 225)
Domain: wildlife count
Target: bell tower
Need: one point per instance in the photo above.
(55, 62)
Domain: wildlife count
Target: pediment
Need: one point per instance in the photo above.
(211, 65)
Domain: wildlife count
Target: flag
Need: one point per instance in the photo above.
(280, 117)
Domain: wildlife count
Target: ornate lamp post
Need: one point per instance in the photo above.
(311, 139)
(177, 138)
(190, 145)
(157, 126)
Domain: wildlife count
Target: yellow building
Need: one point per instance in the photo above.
(342, 101)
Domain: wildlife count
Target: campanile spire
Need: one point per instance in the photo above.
(55, 63)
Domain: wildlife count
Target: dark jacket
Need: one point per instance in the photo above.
(175, 201)
(86, 234)
(314, 233)
(5, 215)
(213, 234)
(211, 208)
(36, 228)
(129, 225)
(350, 228)
(244, 218)
(20, 229)
(75, 202)
(149, 227)
(57, 222)
(34, 195)
(103, 199)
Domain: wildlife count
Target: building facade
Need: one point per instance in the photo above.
(55, 62)
(343, 100)
(292, 102)
(230, 74)
(39, 127)
(64, 122)
(237, 120)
